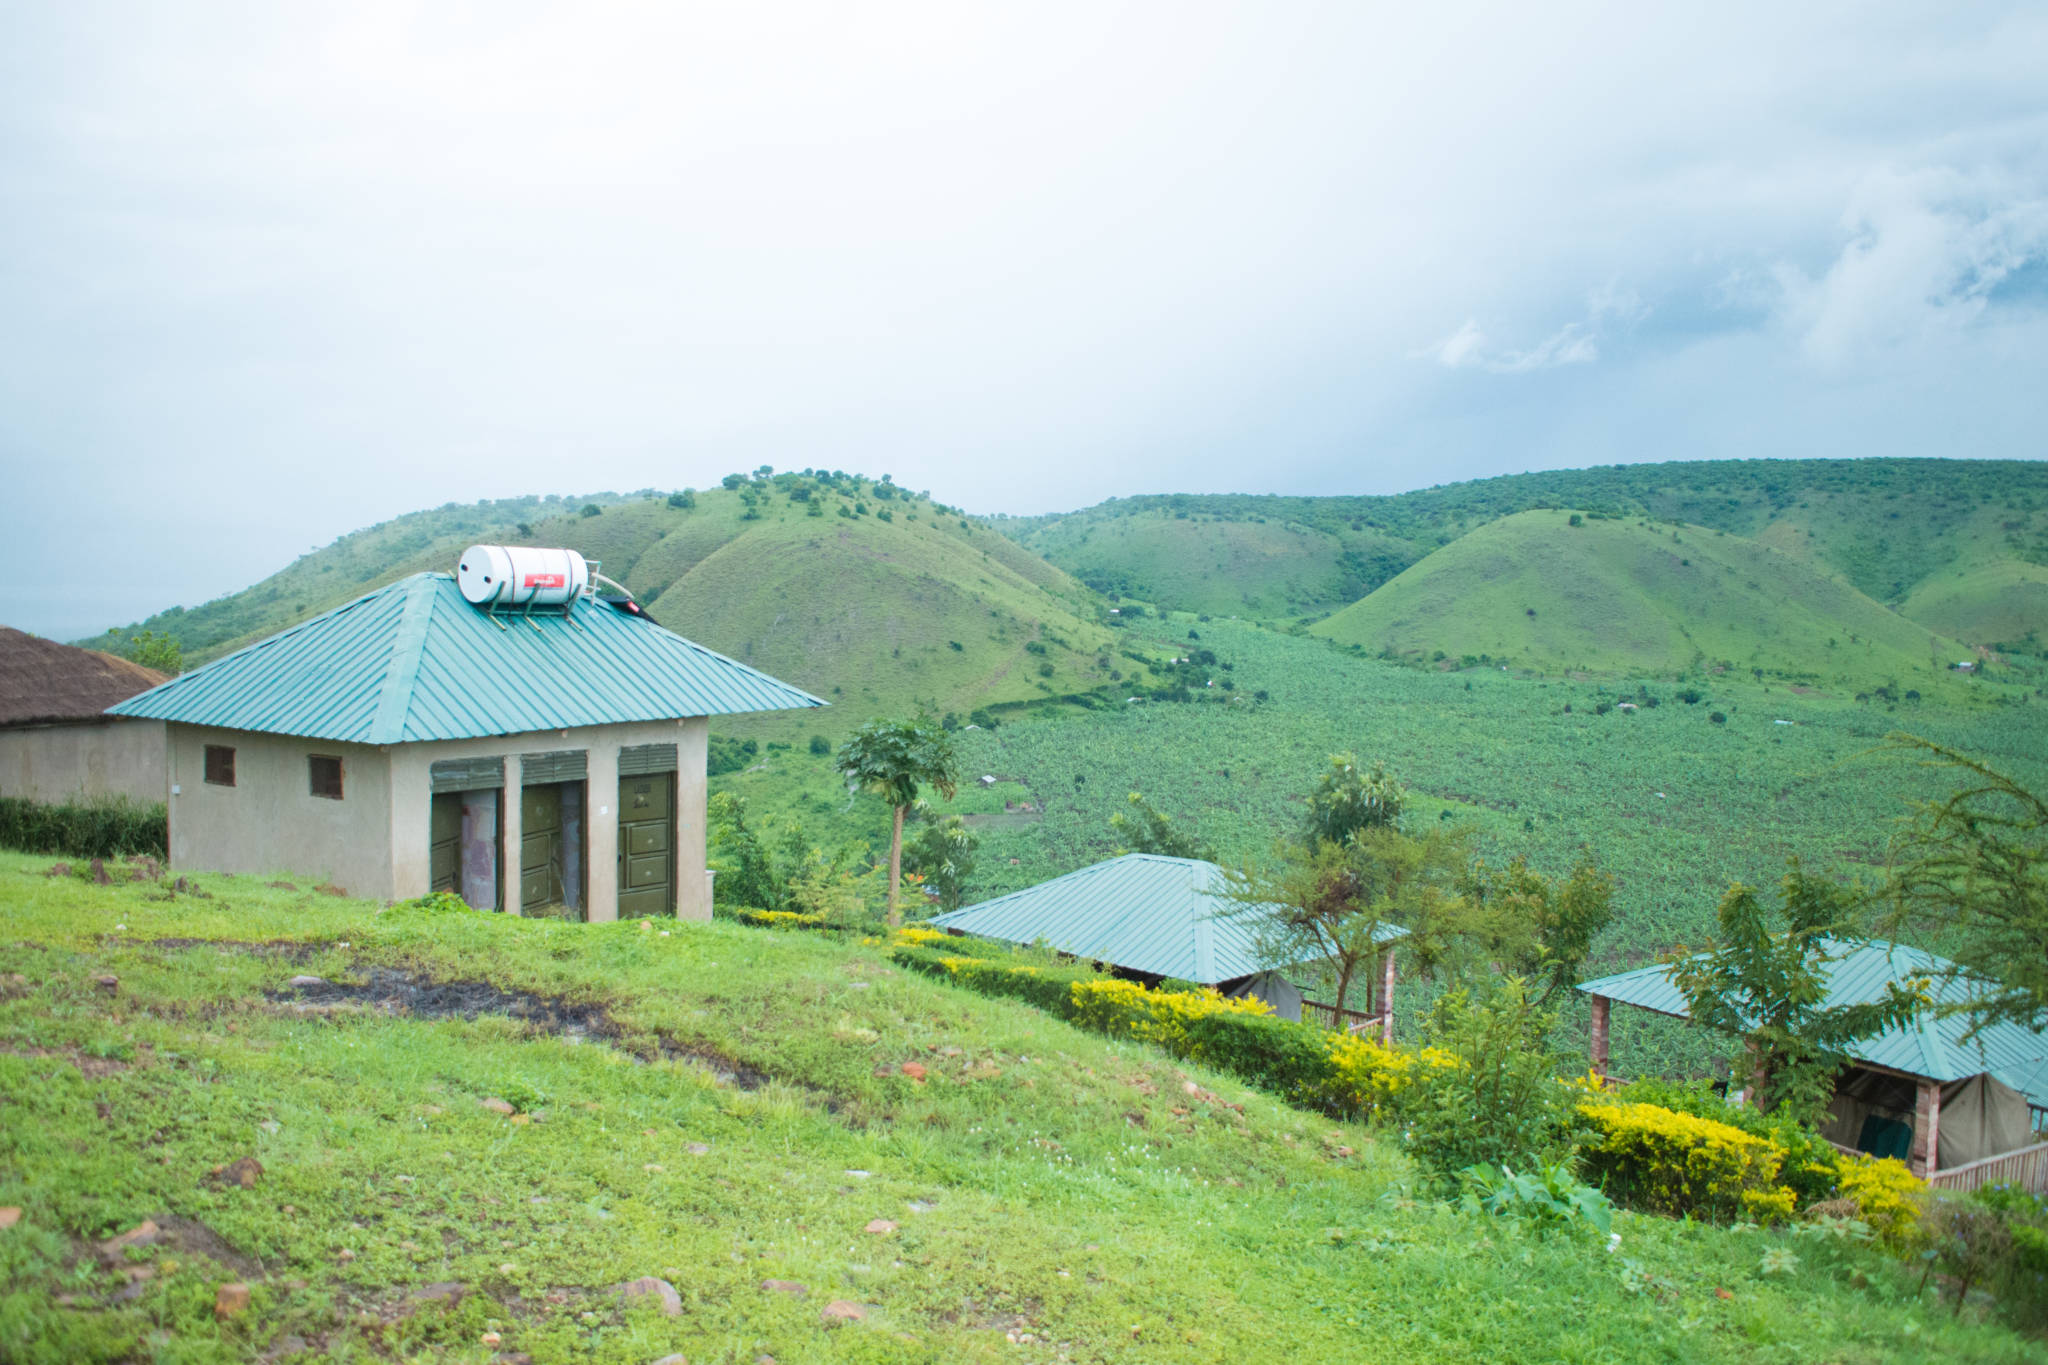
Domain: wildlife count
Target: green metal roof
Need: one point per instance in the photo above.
(1930, 1045)
(415, 661)
(1141, 912)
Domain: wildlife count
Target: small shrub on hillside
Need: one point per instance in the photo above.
(1500, 1102)
(781, 919)
(103, 828)
(434, 903)
(1548, 1199)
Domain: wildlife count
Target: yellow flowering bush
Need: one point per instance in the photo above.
(918, 936)
(1662, 1161)
(1125, 1009)
(1887, 1195)
(1367, 1076)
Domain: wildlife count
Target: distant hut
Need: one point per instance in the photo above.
(1151, 918)
(56, 741)
(1961, 1112)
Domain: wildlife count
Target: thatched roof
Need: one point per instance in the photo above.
(45, 683)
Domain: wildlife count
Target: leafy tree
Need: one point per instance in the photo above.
(942, 852)
(896, 759)
(1332, 902)
(1144, 829)
(682, 501)
(1976, 863)
(1354, 873)
(767, 869)
(1531, 927)
(590, 509)
(153, 649)
(1348, 799)
(1766, 988)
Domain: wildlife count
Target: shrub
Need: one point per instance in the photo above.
(1887, 1196)
(1810, 1167)
(1046, 983)
(1661, 1161)
(1499, 1101)
(1549, 1199)
(434, 903)
(101, 828)
(1366, 1078)
(781, 919)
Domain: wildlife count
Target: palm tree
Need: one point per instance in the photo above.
(894, 759)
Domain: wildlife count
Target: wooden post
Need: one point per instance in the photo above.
(1926, 1154)
(1599, 1048)
(1387, 1001)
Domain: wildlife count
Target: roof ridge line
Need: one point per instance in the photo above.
(403, 669)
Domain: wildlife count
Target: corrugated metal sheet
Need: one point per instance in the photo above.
(414, 661)
(1141, 912)
(1930, 1045)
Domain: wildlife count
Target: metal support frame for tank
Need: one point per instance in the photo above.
(525, 613)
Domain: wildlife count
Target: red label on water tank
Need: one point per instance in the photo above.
(544, 580)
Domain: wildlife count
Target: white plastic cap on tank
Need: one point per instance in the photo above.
(515, 576)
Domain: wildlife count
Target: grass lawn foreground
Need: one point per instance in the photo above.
(722, 1108)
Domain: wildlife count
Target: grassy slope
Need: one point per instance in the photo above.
(858, 610)
(1045, 1181)
(2002, 601)
(1613, 595)
(1885, 526)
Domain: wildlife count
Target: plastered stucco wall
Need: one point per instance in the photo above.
(270, 821)
(409, 834)
(103, 758)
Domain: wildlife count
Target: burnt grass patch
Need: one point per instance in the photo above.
(420, 997)
(397, 992)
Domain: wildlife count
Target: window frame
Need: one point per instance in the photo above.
(210, 766)
(313, 776)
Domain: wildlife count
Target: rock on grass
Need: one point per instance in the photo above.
(661, 1291)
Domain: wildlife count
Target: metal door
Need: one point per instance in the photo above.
(647, 857)
(444, 849)
(540, 847)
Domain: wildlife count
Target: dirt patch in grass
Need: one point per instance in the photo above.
(396, 992)
(89, 1066)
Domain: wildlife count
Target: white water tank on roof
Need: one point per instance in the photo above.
(515, 576)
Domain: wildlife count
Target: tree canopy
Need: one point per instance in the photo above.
(1974, 867)
(1763, 982)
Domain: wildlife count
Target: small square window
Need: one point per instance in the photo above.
(220, 765)
(326, 773)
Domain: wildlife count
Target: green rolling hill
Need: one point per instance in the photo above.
(871, 596)
(1923, 537)
(1532, 590)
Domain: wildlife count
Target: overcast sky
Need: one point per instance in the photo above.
(271, 272)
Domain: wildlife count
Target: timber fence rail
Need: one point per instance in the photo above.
(2026, 1167)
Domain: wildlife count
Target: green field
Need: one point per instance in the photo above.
(724, 1109)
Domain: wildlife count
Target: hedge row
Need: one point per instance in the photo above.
(1649, 1157)
(84, 829)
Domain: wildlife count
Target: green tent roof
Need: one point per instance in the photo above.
(415, 661)
(1930, 1045)
(1142, 912)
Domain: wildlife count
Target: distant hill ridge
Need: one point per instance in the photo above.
(1555, 592)
(864, 593)
(1961, 546)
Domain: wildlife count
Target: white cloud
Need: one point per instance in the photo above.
(1925, 251)
(1610, 309)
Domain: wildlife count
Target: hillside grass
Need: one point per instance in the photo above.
(726, 1122)
(1885, 526)
(1610, 596)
